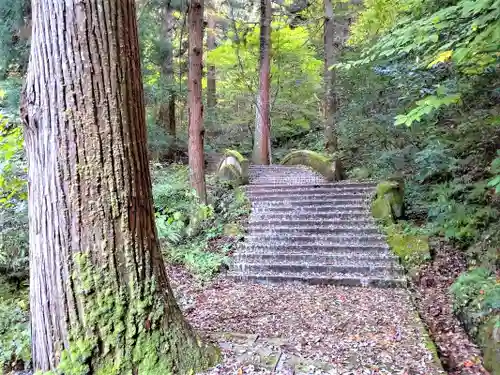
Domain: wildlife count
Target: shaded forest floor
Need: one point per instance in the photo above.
(297, 329)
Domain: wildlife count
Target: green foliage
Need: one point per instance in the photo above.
(426, 106)
(14, 36)
(377, 17)
(192, 233)
(476, 299)
(476, 287)
(12, 168)
(456, 220)
(295, 83)
(13, 206)
(15, 339)
(495, 170)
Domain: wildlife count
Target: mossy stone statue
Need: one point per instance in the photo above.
(234, 167)
(389, 204)
(330, 169)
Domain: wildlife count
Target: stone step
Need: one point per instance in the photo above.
(312, 229)
(312, 202)
(259, 190)
(341, 185)
(388, 269)
(315, 216)
(315, 279)
(360, 250)
(366, 258)
(284, 180)
(282, 220)
(326, 197)
(334, 210)
(330, 239)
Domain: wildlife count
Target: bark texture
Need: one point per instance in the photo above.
(99, 296)
(261, 148)
(195, 103)
(330, 106)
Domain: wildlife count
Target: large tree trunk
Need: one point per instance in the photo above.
(99, 295)
(330, 106)
(195, 104)
(261, 148)
(167, 108)
(211, 77)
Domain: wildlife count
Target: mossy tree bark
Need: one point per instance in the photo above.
(195, 103)
(99, 295)
(261, 148)
(330, 106)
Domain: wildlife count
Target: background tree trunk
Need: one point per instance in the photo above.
(98, 285)
(261, 149)
(330, 106)
(167, 108)
(211, 77)
(195, 104)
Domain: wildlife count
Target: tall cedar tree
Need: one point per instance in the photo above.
(167, 107)
(211, 76)
(261, 149)
(195, 103)
(99, 295)
(330, 104)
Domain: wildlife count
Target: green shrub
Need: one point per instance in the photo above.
(15, 339)
(478, 285)
(189, 231)
(14, 247)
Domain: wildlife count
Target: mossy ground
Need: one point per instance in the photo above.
(412, 248)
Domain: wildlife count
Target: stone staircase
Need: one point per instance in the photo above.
(304, 229)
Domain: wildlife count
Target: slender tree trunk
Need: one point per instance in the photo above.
(330, 106)
(195, 103)
(99, 295)
(211, 76)
(261, 148)
(167, 107)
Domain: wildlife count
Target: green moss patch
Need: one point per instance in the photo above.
(324, 165)
(413, 249)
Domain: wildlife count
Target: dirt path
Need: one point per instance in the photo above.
(297, 329)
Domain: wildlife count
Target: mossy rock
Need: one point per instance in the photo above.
(233, 230)
(389, 201)
(234, 167)
(413, 249)
(330, 169)
(489, 340)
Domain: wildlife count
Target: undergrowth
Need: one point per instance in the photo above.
(194, 234)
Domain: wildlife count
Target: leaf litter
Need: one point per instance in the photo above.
(314, 330)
